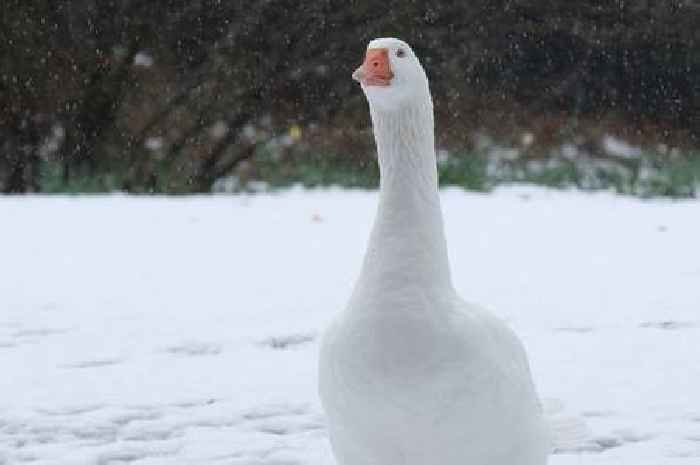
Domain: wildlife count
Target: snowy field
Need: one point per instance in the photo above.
(185, 331)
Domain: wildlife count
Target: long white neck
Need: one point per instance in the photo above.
(407, 249)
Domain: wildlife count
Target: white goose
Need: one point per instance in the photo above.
(410, 374)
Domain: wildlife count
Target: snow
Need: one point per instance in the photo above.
(184, 330)
(620, 148)
(153, 143)
(144, 59)
(218, 130)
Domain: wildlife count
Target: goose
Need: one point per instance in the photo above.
(409, 373)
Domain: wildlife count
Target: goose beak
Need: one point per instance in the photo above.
(376, 69)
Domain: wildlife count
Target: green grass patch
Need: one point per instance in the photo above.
(648, 175)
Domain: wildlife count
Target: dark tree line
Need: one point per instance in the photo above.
(171, 95)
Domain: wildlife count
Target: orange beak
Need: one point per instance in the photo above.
(376, 69)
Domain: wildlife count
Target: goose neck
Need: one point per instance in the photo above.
(407, 246)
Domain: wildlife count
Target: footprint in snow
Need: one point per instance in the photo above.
(96, 434)
(604, 443)
(70, 411)
(282, 427)
(669, 324)
(130, 454)
(39, 332)
(281, 420)
(125, 419)
(288, 341)
(94, 363)
(194, 349)
(196, 403)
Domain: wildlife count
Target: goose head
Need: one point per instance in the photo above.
(391, 75)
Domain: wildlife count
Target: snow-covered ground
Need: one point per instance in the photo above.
(185, 330)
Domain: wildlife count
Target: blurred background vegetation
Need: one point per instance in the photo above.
(180, 96)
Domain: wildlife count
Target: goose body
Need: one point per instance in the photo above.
(410, 374)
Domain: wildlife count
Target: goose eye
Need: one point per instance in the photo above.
(400, 53)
